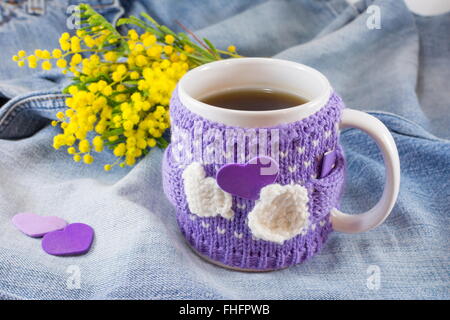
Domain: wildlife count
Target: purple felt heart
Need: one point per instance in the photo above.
(75, 239)
(36, 226)
(328, 163)
(247, 180)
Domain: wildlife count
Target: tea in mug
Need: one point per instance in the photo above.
(254, 99)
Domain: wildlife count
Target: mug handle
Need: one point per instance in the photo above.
(372, 218)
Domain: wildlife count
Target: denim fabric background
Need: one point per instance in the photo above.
(400, 72)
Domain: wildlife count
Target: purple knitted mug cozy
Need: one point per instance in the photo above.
(291, 220)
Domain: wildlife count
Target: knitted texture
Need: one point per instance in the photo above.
(301, 145)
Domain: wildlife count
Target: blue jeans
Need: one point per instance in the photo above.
(399, 72)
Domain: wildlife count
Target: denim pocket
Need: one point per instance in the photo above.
(325, 192)
(25, 115)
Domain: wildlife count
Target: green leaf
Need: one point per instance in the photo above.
(199, 58)
(168, 31)
(198, 48)
(149, 18)
(139, 23)
(132, 21)
(66, 89)
(162, 143)
(115, 142)
(130, 82)
(212, 47)
(114, 132)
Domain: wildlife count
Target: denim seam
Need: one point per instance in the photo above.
(396, 116)
(6, 123)
(229, 17)
(97, 5)
(332, 9)
(336, 11)
(23, 105)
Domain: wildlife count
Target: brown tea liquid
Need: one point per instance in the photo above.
(254, 99)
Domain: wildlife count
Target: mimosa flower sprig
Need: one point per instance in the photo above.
(121, 84)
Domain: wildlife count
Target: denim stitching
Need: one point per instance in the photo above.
(23, 105)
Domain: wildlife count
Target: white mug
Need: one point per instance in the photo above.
(306, 82)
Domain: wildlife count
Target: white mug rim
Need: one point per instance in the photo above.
(254, 119)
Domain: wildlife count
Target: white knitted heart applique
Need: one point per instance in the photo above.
(280, 214)
(205, 198)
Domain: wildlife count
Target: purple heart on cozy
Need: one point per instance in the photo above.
(247, 180)
(328, 162)
(37, 226)
(75, 239)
